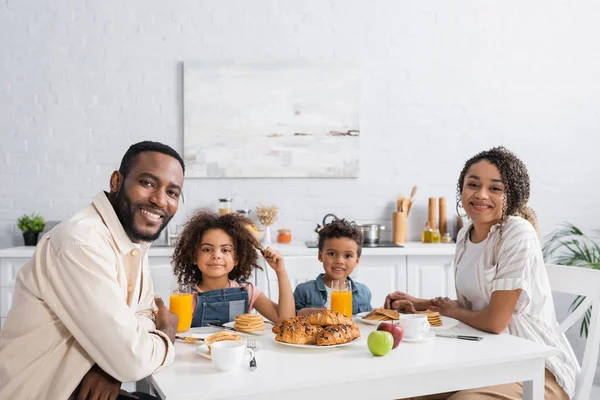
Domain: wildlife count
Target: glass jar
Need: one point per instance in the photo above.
(447, 238)
(284, 236)
(245, 212)
(225, 206)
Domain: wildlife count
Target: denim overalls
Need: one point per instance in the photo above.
(220, 306)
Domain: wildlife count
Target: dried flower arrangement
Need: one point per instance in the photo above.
(266, 214)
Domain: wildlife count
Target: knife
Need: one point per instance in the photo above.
(189, 338)
(232, 329)
(464, 337)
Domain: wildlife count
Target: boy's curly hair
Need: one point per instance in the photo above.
(244, 246)
(515, 178)
(341, 228)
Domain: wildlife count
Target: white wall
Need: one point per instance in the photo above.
(81, 81)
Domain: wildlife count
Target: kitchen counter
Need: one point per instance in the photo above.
(423, 270)
(288, 250)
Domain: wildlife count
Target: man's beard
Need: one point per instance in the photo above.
(126, 213)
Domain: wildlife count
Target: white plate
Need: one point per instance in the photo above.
(203, 350)
(360, 317)
(267, 329)
(425, 338)
(447, 323)
(314, 346)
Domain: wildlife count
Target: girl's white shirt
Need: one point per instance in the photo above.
(515, 262)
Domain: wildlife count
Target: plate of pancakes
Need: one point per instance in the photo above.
(204, 349)
(248, 323)
(378, 315)
(439, 322)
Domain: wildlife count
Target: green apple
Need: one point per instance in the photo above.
(380, 342)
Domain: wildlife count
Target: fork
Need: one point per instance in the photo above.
(251, 344)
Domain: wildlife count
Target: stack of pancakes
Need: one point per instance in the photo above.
(433, 317)
(220, 336)
(382, 314)
(249, 323)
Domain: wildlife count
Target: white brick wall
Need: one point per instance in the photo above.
(81, 81)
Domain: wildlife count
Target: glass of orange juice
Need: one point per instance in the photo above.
(341, 297)
(181, 303)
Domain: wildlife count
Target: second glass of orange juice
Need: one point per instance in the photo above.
(181, 303)
(341, 297)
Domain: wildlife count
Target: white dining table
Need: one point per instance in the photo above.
(352, 372)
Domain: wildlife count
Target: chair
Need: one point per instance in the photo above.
(584, 282)
(299, 268)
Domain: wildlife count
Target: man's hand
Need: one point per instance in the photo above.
(166, 321)
(394, 297)
(97, 384)
(403, 306)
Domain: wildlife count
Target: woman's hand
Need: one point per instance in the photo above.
(445, 306)
(274, 259)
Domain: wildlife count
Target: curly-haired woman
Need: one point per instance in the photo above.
(501, 280)
(216, 255)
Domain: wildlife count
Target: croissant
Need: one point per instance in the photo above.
(327, 317)
(277, 327)
(337, 334)
(298, 333)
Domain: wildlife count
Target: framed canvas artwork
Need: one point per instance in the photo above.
(271, 120)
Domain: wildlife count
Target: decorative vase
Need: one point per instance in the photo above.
(266, 239)
(30, 238)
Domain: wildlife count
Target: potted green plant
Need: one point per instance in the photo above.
(31, 225)
(570, 246)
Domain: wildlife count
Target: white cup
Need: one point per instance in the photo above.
(414, 325)
(228, 355)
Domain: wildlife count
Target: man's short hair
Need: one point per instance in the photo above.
(141, 147)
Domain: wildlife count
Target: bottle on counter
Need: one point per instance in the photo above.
(436, 237)
(225, 206)
(427, 235)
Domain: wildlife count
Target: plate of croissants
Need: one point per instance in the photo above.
(324, 329)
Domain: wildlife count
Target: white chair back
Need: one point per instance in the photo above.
(583, 282)
(299, 268)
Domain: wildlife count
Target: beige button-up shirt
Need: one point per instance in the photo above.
(85, 297)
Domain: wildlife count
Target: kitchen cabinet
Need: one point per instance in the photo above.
(382, 275)
(418, 269)
(430, 276)
(9, 266)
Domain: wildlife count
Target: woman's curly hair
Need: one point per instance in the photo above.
(245, 245)
(515, 178)
(341, 228)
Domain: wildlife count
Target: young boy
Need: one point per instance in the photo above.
(340, 245)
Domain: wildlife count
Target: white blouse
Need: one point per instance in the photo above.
(514, 263)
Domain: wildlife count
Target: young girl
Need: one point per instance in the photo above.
(216, 255)
(501, 280)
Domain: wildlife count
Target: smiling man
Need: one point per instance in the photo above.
(82, 318)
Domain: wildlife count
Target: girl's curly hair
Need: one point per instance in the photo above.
(515, 178)
(245, 245)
